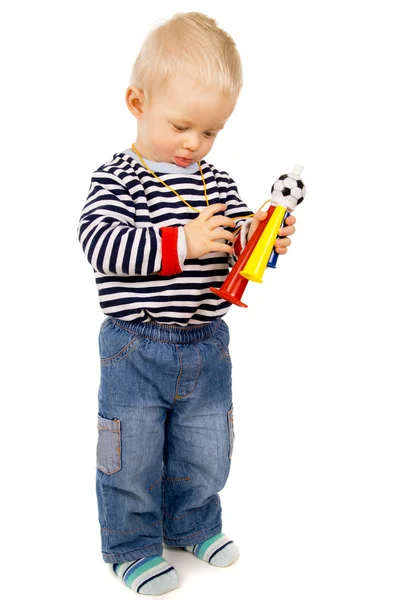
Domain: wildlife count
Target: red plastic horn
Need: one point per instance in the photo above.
(233, 287)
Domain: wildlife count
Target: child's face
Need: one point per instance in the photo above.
(181, 123)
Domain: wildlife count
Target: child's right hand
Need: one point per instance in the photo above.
(200, 232)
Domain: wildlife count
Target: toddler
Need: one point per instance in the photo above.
(159, 227)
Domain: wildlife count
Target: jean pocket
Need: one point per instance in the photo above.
(231, 431)
(115, 343)
(221, 340)
(222, 349)
(108, 445)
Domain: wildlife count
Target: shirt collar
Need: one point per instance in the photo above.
(163, 167)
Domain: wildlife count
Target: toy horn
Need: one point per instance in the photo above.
(234, 285)
(287, 191)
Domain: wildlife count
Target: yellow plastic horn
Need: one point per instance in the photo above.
(257, 263)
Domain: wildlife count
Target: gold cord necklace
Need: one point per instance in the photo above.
(180, 197)
(176, 193)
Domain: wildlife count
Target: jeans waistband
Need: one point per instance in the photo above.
(173, 334)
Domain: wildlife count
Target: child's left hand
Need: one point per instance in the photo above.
(282, 243)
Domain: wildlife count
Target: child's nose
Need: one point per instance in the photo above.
(192, 143)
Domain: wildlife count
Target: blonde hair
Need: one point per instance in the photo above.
(188, 45)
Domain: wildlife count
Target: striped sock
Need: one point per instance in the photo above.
(218, 550)
(151, 575)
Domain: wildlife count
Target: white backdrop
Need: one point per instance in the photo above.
(312, 497)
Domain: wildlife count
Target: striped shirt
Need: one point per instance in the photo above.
(131, 230)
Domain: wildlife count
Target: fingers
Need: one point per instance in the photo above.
(219, 247)
(221, 234)
(288, 228)
(221, 221)
(284, 231)
(281, 243)
(218, 221)
(209, 211)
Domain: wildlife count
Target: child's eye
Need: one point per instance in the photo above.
(207, 133)
(180, 128)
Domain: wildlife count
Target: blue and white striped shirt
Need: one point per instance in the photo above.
(131, 231)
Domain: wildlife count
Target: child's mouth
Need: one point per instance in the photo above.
(182, 162)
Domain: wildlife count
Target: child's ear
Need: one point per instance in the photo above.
(135, 101)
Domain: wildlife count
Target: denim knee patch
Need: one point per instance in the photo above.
(108, 445)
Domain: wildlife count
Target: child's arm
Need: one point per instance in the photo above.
(113, 244)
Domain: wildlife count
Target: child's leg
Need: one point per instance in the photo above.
(129, 462)
(129, 450)
(199, 444)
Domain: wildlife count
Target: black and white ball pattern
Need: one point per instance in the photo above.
(289, 185)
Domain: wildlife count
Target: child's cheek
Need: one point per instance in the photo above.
(161, 142)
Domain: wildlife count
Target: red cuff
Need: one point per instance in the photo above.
(170, 262)
(238, 244)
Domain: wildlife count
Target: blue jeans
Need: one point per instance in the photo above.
(165, 435)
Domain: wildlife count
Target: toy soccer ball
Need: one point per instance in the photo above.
(289, 185)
